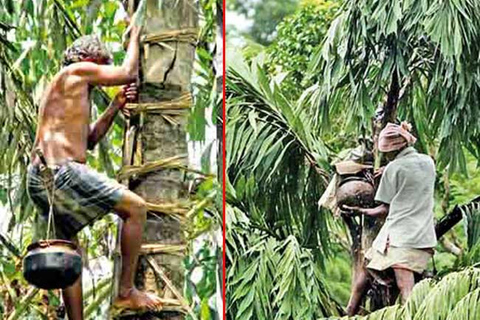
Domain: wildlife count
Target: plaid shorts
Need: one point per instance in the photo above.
(81, 196)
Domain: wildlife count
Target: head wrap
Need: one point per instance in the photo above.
(395, 137)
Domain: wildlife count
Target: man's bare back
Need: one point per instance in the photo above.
(64, 116)
(63, 131)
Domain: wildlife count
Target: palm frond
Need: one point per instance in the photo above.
(419, 294)
(269, 278)
(433, 48)
(275, 161)
(454, 297)
(467, 308)
(441, 299)
(471, 218)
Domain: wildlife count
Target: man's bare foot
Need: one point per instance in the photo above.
(135, 299)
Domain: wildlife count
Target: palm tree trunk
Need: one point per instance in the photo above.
(167, 58)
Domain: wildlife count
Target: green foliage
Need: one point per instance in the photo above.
(277, 237)
(274, 160)
(471, 222)
(467, 308)
(454, 297)
(271, 137)
(207, 95)
(447, 293)
(420, 293)
(463, 190)
(339, 268)
(202, 268)
(33, 36)
(431, 45)
(297, 38)
(265, 16)
(269, 278)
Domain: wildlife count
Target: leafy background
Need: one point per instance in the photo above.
(298, 99)
(33, 36)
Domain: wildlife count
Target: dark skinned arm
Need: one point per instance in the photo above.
(108, 75)
(100, 127)
(379, 211)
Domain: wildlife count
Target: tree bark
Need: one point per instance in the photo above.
(166, 68)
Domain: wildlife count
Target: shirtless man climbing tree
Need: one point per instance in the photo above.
(81, 194)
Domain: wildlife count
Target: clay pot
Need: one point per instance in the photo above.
(355, 193)
(52, 264)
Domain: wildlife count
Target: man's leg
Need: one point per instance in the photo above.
(359, 286)
(72, 296)
(405, 281)
(132, 209)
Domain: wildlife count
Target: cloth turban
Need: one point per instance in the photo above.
(395, 137)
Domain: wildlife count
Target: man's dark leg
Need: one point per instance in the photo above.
(132, 209)
(405, 281)
(72, 296)
(359, 286)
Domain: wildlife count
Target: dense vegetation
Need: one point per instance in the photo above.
(33, 36)
(302, 103)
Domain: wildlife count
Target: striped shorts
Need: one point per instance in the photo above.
(81, 196)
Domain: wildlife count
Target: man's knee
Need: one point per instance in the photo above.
(139, 209)
(132, 206)
(404, 279)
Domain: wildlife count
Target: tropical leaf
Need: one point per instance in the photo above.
(419, 294)
(272, 279)
(273, 157)
(471, 219)
(467, 308)
(431, 45)
(455, 297)
(442, 299)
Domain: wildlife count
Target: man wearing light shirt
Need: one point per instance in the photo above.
(405, 194)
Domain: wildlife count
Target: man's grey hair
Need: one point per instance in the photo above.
(85, 47)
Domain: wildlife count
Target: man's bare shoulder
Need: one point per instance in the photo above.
(66, 81)
(81, 68)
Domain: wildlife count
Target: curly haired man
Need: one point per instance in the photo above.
(81, 194)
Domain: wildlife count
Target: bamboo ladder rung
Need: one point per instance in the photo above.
(172, 107)
(154, 248)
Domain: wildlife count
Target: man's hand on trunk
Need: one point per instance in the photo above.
(129, 93)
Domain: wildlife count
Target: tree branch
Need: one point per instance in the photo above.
(450, 220)
(390, 106)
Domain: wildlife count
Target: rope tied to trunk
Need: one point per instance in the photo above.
(175, 162)
(48, 178)
(154, 248)
(171, 107)
(188, 35)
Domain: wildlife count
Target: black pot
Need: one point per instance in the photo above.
(52, 264)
